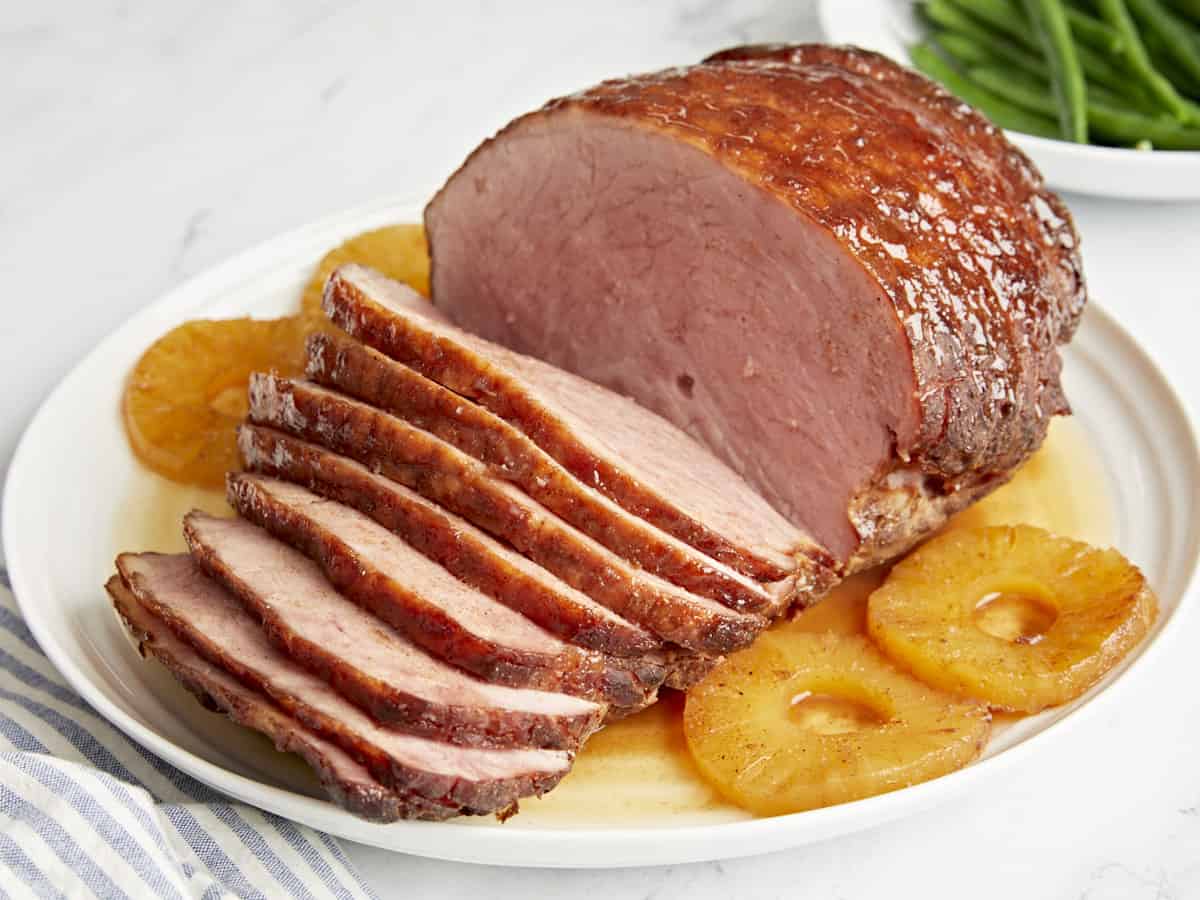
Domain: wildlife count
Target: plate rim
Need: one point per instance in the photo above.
(668, 844)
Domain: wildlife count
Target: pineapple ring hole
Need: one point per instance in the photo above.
(830, 714)
(1020, 614)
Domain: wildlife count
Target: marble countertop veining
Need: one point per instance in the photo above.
(143, 142)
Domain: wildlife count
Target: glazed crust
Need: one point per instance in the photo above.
(979, 260)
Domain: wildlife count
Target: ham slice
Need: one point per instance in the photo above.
(449, 618)
(462, 484)
(446, 779)
(449, 540)
(367, 661)
(607, 442)
(346, 781)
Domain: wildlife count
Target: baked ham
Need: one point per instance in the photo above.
(410, 456)
(613, 448)
(449, 618)
(449, 540)
(838, 277)
(431, 779)
(835, 296)
(369, 663)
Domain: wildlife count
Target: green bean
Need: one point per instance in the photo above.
(948, 15)
(1001, 112)
(1097, 67)
(1191, 26)
(1092, 32)
(1187, 8)
(1031, 92)
(1049, 21)
(1121, 126)
(1117, 15)
(986, 47)
(950, 18)
(1028, 92)
(1108, 118)
(1157, 20)
(1008, 18)
(963, 50)
(1183, 82)
(1002, 15)
(994, 48)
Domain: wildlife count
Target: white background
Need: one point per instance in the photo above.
(141, 142)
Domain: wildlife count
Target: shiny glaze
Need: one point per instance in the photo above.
(980, 262)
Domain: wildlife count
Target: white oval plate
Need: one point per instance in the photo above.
(889, 26)
(71, 476)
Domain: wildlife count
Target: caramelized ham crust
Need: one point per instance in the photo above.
(837, 276)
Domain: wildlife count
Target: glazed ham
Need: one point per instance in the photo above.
(466, 551)
(443, 779)
(442, 473)
(367, 661)
(606, 441)
(343, 777)
(835, 275)
(702, 342)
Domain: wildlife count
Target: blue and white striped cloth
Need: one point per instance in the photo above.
(86, 812)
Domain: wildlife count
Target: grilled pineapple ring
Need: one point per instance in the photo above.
(186, 395)
(801, 720)
(398, 251)
(1012, 615)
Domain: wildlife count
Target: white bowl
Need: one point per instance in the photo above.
(890, 26)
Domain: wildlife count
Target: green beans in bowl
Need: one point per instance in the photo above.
(1123, 73)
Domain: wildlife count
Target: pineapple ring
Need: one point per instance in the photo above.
(187, 394)
(397, 251)
(801, 720)
(941, 614)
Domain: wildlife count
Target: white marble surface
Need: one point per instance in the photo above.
(144, 141)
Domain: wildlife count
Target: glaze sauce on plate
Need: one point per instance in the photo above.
(639, 770)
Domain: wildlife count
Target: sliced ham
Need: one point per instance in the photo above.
(462, 484)
(626, 453)
(346, 781)
(365, 373)
(377, 570)
(446, 779)
(366, 660)
(464, 550)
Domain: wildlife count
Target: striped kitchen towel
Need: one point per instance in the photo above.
(86, 812)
